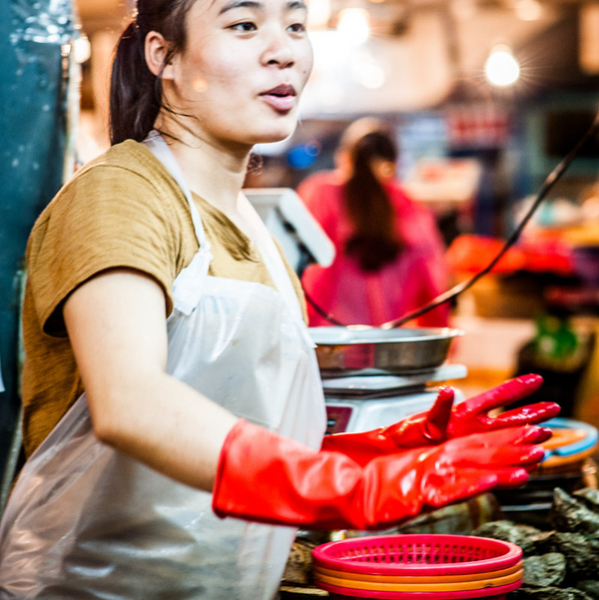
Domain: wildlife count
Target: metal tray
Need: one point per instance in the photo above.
(374, 351)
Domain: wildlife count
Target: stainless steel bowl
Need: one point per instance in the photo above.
(371, 350)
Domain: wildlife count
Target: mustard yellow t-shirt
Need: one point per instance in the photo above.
(121, 210)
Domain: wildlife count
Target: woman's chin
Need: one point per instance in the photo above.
(277, 132)
(274, 136)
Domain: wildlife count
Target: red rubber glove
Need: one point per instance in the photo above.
(424, 429)
(444, 422)
(264, 477)
(472, 415)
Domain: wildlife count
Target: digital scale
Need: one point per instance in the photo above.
(365, 402)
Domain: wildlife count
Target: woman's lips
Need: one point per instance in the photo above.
(281, 98)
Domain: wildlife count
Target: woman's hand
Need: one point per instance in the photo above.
(474, 415)
(423, 429)
(444, 421)
(264, 477)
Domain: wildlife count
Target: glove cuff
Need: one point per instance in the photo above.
(264, 477)
(233, 434)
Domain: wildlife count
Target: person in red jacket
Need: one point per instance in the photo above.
(389, 252)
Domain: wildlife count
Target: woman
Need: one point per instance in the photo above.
(389, 253)
(170, 379)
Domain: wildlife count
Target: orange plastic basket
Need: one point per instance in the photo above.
(421, 579)
(353, 584)
(498, 593)
(417, 555)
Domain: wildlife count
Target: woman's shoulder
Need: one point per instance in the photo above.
(125, 174)
(416, 221)
(120, 194)
(111, 214)
(405, 203)
(399, 194)
(129, 159)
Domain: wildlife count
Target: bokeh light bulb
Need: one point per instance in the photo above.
(501, 68)
(354, 25)
(82, 49)
(369, 74)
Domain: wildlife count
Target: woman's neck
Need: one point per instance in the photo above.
(214, 172)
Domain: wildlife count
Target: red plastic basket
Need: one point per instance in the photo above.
(416, 554)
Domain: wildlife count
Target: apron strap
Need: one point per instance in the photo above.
(188, 286)
(160, 149)
(270, 254)
(275, 265)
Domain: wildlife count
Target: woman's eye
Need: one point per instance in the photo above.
(297, 28)
(245, 26)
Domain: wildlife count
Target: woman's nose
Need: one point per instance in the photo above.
(279, 51)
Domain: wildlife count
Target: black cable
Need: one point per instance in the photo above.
(454, 292)
(323, 313)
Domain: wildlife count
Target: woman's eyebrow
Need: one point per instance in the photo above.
(241, 4)
(295, 4)
(292, 5)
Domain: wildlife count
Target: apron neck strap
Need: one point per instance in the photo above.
(270, 254)
(160, 149)
(275, 265)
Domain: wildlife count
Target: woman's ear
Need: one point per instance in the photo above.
(156, 49)
(383, 169)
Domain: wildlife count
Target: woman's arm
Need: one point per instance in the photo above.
(117, 327)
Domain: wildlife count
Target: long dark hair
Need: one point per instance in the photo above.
(135, 92)
(374, 242)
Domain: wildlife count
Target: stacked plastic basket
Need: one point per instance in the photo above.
(418, 567)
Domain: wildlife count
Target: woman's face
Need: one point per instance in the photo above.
(244, 67)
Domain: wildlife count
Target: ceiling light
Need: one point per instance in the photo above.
(501, 68)
(354, 25)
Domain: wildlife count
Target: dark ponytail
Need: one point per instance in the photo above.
(375, 241)
(135, 92)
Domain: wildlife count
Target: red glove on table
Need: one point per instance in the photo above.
(270, 479)
(444, 422)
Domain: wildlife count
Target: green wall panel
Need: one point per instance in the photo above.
(32, 148)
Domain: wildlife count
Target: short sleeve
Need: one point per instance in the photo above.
(106, 217)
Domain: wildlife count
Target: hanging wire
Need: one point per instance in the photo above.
(323, 313)
(454, 292)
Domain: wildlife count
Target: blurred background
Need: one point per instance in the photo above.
(484, 98)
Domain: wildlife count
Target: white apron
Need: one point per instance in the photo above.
(86, 521)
